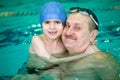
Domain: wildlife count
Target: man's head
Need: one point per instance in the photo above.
(80, 31)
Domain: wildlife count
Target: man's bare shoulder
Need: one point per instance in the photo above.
(105, 59)
(102, 55)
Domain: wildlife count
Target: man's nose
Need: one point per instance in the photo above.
(69, 31)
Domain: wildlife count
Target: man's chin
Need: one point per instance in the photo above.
(69, 41)
(68, 45)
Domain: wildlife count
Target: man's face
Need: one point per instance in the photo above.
(76, 35)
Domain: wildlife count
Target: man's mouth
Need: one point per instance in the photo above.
(70, 39)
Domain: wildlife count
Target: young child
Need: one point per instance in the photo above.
(47, 46)
(52, 20)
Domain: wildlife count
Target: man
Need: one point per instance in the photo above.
(79, 38)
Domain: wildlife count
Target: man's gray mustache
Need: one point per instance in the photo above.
(69, 37)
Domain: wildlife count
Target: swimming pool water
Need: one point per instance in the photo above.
(19, 21)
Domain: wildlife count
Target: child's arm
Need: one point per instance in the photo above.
(67, 59)
(37, 47)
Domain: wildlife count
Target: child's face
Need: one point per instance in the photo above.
(52, 28)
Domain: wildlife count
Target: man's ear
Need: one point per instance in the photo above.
(94, 34)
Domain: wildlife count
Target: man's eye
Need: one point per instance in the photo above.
(67, 26)
(77, 28)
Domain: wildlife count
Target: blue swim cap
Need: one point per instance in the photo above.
(52, 10)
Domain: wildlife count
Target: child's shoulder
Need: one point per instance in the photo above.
(37, 38)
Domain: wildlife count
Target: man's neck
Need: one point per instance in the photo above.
(89, 50)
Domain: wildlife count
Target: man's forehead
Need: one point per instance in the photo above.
(78, 18)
